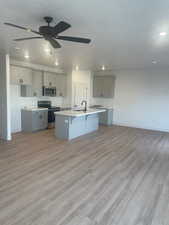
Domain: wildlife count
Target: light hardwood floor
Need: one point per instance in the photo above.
(115, 176)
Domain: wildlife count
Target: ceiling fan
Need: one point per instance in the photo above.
(50, 33)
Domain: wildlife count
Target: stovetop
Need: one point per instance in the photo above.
(47, 104)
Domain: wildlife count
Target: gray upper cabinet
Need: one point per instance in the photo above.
(20, 75)
(103, 86)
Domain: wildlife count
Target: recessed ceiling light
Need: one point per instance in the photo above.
(47, 50)
(56, 63)
(26, 56)
(77, 68)
(163, 34)
(103, 67)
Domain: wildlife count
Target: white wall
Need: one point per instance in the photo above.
(5, 125)
(142, 98)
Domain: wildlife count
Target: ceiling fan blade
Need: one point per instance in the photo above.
(61, 26)
(23, 28)
(74, 39)
(29, 38)
(54, 43)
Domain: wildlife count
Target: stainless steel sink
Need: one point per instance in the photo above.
(79, 110)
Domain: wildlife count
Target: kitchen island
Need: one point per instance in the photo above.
(71, 123)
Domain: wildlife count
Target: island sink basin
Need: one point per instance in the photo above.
(79, 110)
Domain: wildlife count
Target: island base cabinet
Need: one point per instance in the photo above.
(71, 127)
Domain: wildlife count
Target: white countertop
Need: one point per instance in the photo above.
(107, 107)
(35, 109)
(73, 113)
(102, 107)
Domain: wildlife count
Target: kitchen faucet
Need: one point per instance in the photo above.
(84, 101)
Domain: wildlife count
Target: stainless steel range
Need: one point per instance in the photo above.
(51, 110)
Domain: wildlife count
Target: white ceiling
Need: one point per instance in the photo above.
(124, 33)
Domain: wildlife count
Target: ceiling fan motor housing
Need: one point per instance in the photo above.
(48, 19)
(46, 30)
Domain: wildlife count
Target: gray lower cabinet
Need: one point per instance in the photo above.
(106, 118)
(34, 120)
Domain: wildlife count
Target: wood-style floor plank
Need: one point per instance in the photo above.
(115, 176)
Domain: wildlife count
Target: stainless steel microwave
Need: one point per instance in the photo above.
(49, 91)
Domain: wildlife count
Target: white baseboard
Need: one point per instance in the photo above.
(141, 127)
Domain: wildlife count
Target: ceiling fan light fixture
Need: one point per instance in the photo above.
(154, 62)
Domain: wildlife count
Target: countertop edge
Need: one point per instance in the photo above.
(63, 113)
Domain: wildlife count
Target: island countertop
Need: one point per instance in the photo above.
(74, 113)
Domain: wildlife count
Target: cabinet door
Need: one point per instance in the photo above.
(42, 120)
(49, 79)
(20, 75)
(61, 85)
(39, 120)
(25, 74)
(98, 86)
(37, 83)
(108, 87)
